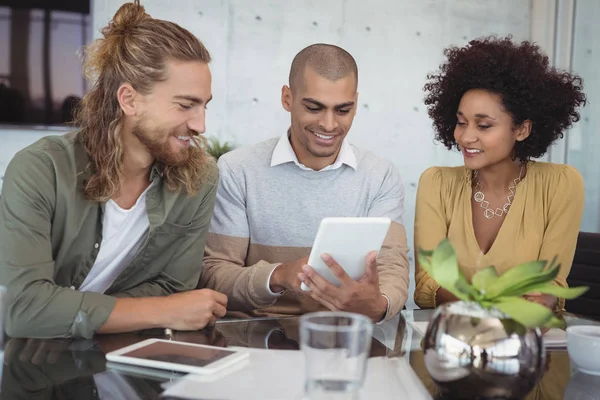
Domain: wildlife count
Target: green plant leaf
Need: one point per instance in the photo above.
(556, 323)
(524, 286)
(515, 275)
(503, 292)
(559, 291)
(512, 326)
(424, 262)
(484, 278)
(486, 304)
(527, 313)
(463, 286)
(444, 266)
(426, 253)
(216, 149)
(520, 276)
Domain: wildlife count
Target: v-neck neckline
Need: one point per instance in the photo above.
(516, 203)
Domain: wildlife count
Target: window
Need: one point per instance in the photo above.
(583, 141)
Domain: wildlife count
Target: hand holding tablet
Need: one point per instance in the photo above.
(348, 241)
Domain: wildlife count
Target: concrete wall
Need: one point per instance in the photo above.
(395, 42)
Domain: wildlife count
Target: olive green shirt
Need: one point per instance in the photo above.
(50, 236)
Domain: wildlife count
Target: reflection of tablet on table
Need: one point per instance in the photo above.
(177, 356)
(348, 241)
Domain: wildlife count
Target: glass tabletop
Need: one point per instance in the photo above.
(76, 369)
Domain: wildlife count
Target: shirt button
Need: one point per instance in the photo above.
(72, 288)
(96, 245)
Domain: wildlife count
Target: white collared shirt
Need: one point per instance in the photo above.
(284, 153)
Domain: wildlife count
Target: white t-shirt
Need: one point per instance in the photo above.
(123, 232)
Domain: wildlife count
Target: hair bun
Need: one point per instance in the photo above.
(127, 17)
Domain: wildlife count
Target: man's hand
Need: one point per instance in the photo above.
(285, 276)
(194, 310)
(361, 296)
(547, 300)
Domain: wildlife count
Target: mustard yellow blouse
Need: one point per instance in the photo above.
(543, 221)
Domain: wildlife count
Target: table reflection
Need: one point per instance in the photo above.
(76, 369)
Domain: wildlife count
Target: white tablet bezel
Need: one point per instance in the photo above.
(144, 372)
(340, 227)
(118, 356)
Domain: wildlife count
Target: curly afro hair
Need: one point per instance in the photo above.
(520, 74)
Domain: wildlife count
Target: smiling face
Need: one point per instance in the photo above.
(484, 131)
(174, 112)
(322, 112)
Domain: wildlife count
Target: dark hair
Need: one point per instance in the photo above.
(329, 61)
(520, 74)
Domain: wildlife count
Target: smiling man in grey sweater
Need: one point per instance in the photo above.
(273, 195)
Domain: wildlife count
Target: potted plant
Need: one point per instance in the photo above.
(489, 343)
(216, 148)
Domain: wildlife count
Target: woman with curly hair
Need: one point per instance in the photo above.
(501, 105)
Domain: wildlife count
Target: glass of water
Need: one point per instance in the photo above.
(335, 346)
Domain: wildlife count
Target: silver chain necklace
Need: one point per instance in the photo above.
(480, 197)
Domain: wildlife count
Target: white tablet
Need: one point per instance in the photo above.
(178, 356)
(144, 372)
(348, 241)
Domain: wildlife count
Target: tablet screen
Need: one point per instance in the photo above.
(179, 353)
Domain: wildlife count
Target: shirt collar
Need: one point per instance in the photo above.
(284, 153)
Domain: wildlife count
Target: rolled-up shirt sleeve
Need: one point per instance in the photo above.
(35, 305)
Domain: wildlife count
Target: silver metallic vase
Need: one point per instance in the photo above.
(474, 353)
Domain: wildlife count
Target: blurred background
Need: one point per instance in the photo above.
(395, 42)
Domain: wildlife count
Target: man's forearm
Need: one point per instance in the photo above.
(133, 314)
(246, 287)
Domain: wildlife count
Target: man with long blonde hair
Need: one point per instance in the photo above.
(102, 230)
